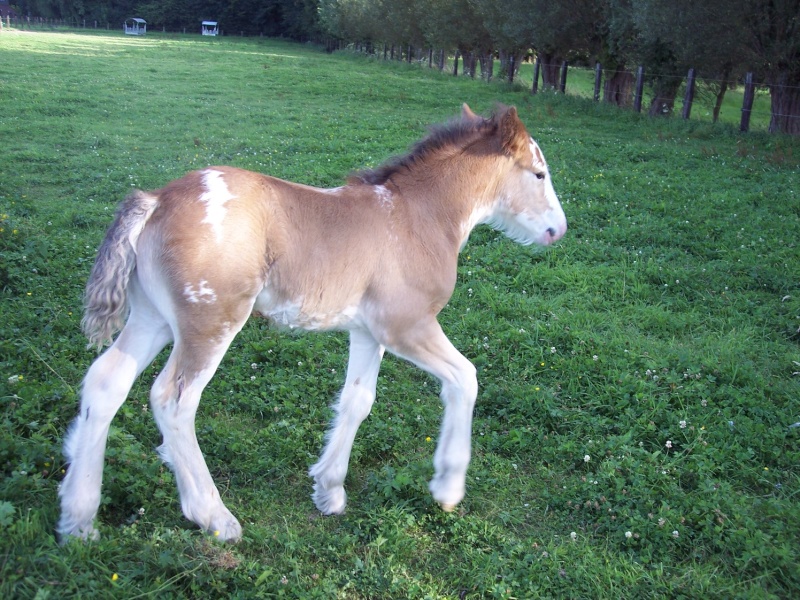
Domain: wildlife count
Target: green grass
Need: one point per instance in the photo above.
(669, 313)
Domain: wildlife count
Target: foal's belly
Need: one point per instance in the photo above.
(299, 313)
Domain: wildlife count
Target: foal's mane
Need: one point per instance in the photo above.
(456, 133)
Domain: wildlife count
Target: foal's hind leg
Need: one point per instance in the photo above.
(105, 388)
(355, 403)
(174, 398)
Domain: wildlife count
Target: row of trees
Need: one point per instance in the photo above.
(720, 39)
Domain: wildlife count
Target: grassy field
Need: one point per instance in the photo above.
(636, 433)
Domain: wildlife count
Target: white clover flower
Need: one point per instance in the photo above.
(668, 444)
(675, 533)
(574, 536)
(628, 534)
(587, 458)
(253, 365)
(682, 424)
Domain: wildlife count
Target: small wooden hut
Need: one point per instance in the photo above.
(135, 26)
(209, 28)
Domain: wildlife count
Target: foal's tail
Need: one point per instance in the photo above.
(106, 298)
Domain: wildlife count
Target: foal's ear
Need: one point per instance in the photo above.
(512, 131)
(466, 112)
(513, 136)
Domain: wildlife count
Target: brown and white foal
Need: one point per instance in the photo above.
(189, 263)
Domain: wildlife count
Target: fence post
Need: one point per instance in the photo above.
(536, 69)
(430, 58)
(563, 85)
(455, 63)
(688, 98)
(598, 77)
(511, 69)
(637, 100)
(747, 105)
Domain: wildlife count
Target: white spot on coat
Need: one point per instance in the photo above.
(215, 197)
(203, 294)
(384, 196)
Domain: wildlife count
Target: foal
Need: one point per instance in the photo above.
(189, 263)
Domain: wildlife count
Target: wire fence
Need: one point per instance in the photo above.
(736, 101)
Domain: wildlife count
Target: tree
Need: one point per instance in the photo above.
(772, 40)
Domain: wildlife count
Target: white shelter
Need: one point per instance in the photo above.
(135, 26)
(209, 28)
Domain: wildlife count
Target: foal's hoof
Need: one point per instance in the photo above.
(331, 501)
(448, 508)
(90, 534)
(226, 530)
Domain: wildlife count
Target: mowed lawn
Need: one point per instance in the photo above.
(637, 432)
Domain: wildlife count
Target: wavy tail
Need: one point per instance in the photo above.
(106, 297)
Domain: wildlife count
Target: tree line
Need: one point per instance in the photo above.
(721, 39)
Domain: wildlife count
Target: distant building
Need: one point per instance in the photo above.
(135, 26)
(209, 28)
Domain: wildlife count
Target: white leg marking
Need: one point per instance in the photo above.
(174, 400)
(105, 388)
(355, 403)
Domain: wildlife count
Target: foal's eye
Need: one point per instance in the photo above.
(539, 176)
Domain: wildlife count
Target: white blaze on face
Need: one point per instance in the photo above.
(202, 294)
(215, 197)
(554, 217)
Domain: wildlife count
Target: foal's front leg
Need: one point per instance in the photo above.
(428, 347)
(355, 403)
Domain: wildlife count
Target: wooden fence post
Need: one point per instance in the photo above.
(637, 100)
(430, 58)
(688, 97)
(563, 85)
(747, 105)
(598, 77)
(536, 68)
(455, 63)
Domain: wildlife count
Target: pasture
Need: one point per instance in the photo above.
(637, 429)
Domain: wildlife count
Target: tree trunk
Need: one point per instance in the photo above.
(664, 100)
(551, 69)
(720, 95)
(785, 96)
(617, 87)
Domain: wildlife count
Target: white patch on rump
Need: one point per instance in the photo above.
(202, 295)
(215, 197)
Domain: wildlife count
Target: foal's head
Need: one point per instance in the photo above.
(527, 208)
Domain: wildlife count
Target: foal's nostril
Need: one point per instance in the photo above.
(551, 232)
